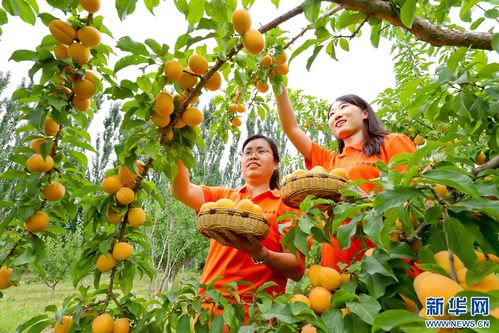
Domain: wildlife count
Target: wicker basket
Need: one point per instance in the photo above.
(323, 185)
(240, 222)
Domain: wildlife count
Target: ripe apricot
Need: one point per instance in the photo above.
(84, 88)
(429, 284)
(61, 51)
(258, 210)
(121, 325)
(5, 273)
(103, 323)
(281, 58)
(308, 329)
(318, 169)
(253, 41)
(329, 278)
(198, 64)
(233, 108)
(163, 104)
(345, 277)
(300, 298)
(419, 140)
(36, 145)
(282, 69)
(105, 262)
(487, 283)
(442, 259)
(172, 70)
(266, 61)
(113, 216)
(441, 190)
(320, 299)
(81, 104)
(241, 21)
(299, 172)
(54, 191)
(62, 31)
(89, 36)
(122, 251)
(36, 163)
(369, 252)
(480, 158)
(313, 275)
(262, 87)
(241, 108)
(236, 122)
(180, 123)
(37, 222)
(126, 175)
(246, 204)
(340, 172)
(187, 80)
(224, 203)
(206, 206)
(111, 184)
(64, 325)
(160, 121)
(125, 196)
(51, 128)
(136, 217)
(79, 53)
(192, 117)
(214, 82)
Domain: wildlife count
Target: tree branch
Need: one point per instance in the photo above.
(492, 164)
(422, 29)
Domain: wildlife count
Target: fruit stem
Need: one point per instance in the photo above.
(90, 19)
(11, 251)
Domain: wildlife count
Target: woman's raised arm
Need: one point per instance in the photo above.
(190, 194)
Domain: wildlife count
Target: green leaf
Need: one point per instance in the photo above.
(495, 42)
(344, 44)
(281, 312)
(129, 45)
(391, 198)
(196, 11)
(129, 61)
(390, 319)
(489, 207)
(453, 177)
(460, 242)
(125, 7)
(314, 55)
(80, 157)
(367, 308)
(345, 233)
(144, 83)
(311, 9)
(23, 55)
(184, 324)
(408, 12)
(23, 10)
(182, 6)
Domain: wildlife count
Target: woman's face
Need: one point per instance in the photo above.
(346, 119)
(257, 161)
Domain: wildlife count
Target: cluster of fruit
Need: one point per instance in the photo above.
(244, 204)
(339, 172)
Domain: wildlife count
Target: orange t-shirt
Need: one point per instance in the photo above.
(358, 166)
(235, 265)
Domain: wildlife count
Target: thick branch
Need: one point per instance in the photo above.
(492, 164)
(422, 29)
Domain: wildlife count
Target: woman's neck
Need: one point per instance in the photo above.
(355, 138)
(257, 189)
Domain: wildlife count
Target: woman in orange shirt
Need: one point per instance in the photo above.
(362, 141)
(242, 259)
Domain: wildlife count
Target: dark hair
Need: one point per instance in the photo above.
(274, 180)
(373, 128)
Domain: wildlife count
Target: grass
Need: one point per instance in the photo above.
(30, 299)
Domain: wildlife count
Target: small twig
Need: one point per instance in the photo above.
(11, 251)
(90, 19)
(492, 164)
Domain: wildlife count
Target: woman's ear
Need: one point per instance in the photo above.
(366, 114)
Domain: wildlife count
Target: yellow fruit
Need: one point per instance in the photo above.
(282, 69)
(253, 41)
(299, 172)
(247, 205)
(54, 191)
(340, 172)
(62, 31)
(369, 252)
(429, 284)
(180, 123)
(241, 21)
(441, 190)
(84, 88)
(487, 283)
(318, 169)
(266, 61)
(103, 323)
(92, 76)
(36, 163)
(126, 175)
(214, 82)
(442, 259)
(233, 108)
(419, 140)
(224, 203)
(192, 117)
(81, 104)
(241, 108)
(105, 262)
(122, 251)
(261, 86)
(89, 36)
(36, 143)
(329, 278)
(136, 217)
(480, 256)
(345, 277)
(236, 122)
(125, 196)
(308, 329)
(493, 258)
(111, 184)
(5, 274)
(37, 222)
(259, 210)
(79, 54)
(394, 235)
(345, 311)
(313, 275)
(320, 299)
(480, 158)
(51, 128)
(160, 121)
(112, 216)
(198, 64)
(64, 325)
(172, 70)
(300, 298)
(163, 104)
(281, 58)
(187, 80)
(169, 134)
(61, 51)
(121, 325)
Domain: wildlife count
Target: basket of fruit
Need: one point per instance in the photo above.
(217, 219)
(318, 182)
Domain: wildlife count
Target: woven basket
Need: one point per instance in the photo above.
(323, 185)
(240, 222)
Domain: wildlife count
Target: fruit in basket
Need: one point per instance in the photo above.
(224, 203)
(249, 206)
(340, 172)
(318, 169)
(206, 206)
(299, 172)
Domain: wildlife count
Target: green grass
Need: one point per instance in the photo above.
(28, 300)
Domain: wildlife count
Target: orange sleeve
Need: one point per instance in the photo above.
(398, 145)
(320, 156)
(212, 193)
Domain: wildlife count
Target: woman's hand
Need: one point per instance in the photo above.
(249, 245)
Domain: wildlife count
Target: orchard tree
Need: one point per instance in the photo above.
(442, 211)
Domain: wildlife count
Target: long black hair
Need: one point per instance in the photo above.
(373, 128)
(274, 180)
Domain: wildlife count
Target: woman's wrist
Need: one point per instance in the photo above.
(262, 257)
